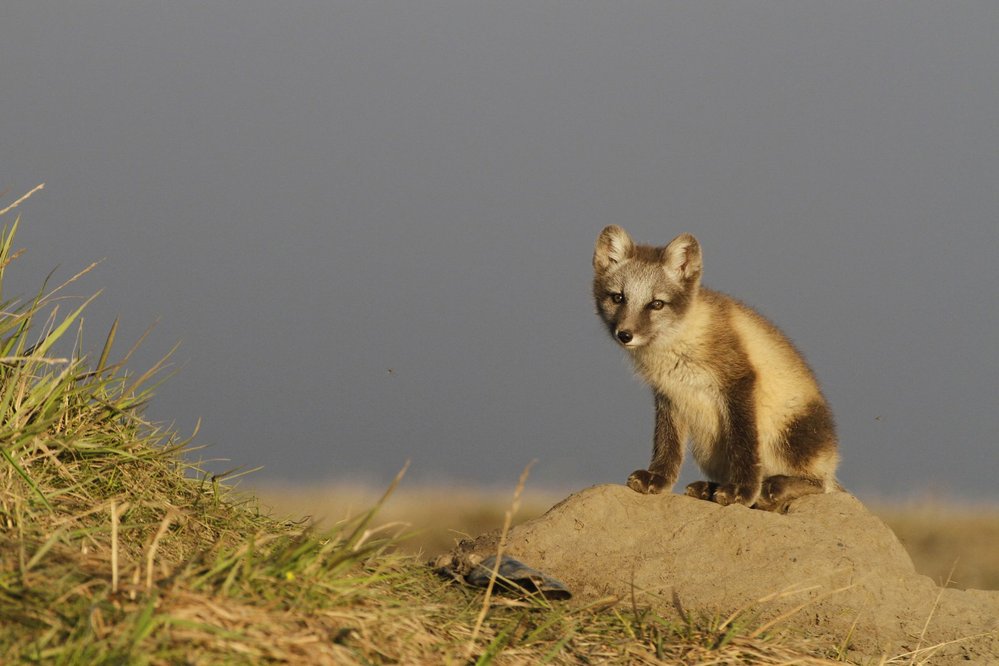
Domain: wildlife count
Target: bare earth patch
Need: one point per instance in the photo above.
(827, 568)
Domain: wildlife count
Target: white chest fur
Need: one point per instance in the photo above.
(697, 404)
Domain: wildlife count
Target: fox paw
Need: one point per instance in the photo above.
(646, 482)
(703, 490)
(732, 493)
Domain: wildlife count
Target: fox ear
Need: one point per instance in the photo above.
(614, 245)
(682, 258)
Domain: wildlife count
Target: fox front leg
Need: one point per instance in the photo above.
(741, 449)
(667, 455)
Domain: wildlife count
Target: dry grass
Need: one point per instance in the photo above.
(949, 539)
(431, 518)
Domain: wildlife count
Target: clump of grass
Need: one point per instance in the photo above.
(116, 549)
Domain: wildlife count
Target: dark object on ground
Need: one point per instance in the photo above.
(513, 576)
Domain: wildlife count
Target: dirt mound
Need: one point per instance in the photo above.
(827, 553)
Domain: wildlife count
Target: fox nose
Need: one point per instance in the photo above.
(625, 336)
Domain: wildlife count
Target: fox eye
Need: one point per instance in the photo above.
(617, 297)
(657, 304)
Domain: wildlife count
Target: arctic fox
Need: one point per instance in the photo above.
(722, 376)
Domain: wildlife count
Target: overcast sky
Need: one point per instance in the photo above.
(370, 224)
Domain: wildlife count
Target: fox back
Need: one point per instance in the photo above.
(722, 375)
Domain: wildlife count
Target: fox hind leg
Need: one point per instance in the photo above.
(778, 491)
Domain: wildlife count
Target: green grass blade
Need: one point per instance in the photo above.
(27, 478)
(58, 332)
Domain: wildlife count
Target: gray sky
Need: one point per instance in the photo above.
(308, 194)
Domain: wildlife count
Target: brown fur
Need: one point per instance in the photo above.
(722, 375)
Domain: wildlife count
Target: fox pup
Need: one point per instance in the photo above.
(722, 376)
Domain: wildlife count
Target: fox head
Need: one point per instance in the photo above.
(643, 292)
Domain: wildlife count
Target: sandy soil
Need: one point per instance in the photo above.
(828, 568)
